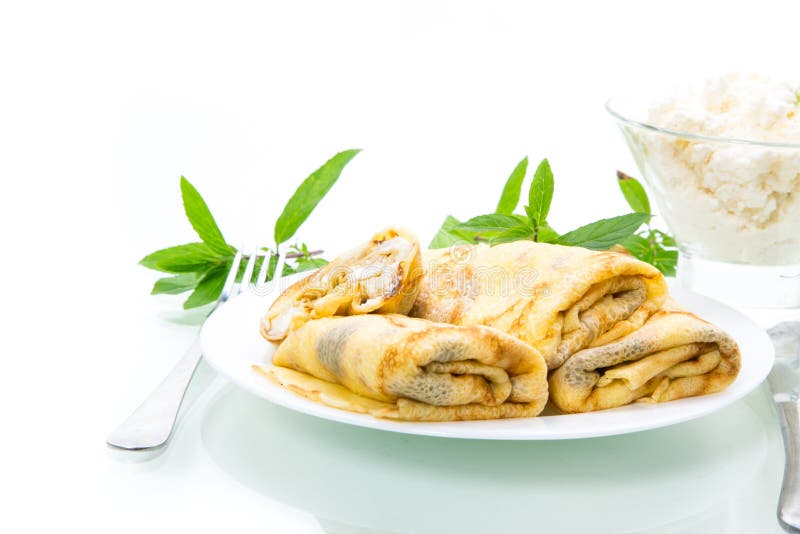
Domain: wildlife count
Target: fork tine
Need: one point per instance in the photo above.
(247, 278)
(278, 270)
(262, 273)
(231, 279)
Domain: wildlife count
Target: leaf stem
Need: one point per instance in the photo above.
(295, 255)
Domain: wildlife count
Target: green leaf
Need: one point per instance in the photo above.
(665, 261)
(666, 239)
(173, 285)
(634, 193)
(309, 194)
(493, 222)
(604, 233)
(287, 270)
(547, 234)
(510, 197)
(639, 246)
(650, 251)
(191, 257)
(306, 264)
(540, 194)
(515, 233)
(531, 214)
(209, 287)
(449, 234)
(202, 221)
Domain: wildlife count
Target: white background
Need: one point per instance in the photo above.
(103, 106)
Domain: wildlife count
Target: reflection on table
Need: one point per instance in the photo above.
(720, 473)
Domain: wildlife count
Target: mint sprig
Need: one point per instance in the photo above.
(605, 233)
(540, 196)
(192, 257)
(633, 192)
(510, 196)
(450, 234)
(202, 267)
(201, 219)
(492, 222)
(308, 195)
(503, 226)
(175, 285)
(514, 233)
(648, 244)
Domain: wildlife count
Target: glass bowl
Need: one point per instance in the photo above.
(733, 206)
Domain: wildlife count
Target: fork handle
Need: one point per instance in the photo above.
(789, 504)
(150, 426)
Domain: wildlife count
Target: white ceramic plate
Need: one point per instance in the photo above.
(231, 343)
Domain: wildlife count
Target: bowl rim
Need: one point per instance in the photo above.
(610, 108)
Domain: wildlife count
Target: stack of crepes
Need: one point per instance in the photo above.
(345, 341)
(486, 325)
(602, 320)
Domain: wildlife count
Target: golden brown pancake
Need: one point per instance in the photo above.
(380, 276)
(396, 367)
(558, 299)
(674, 355)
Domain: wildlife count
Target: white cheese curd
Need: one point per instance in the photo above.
(728, 201)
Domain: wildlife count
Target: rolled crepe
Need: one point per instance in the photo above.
(674, 355)
(396, 367)
(557, 299)
(380, 276)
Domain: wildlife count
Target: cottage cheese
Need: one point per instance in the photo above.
(729, 201)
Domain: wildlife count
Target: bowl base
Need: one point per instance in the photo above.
(752, 286)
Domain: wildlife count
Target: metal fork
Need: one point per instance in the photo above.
(150, 426)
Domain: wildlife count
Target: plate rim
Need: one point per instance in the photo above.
(508, 427)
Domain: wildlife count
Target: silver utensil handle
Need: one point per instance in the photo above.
(150, 426)
(789, 503)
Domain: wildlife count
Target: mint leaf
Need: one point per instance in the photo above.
(515, 233)
(287, 270)
(449, 234)
(639, 246)
(303, 262)
(309, 194)
(665, 261)
(306, 264)
(546, 234)
(540, 194)
(182, 258)
(492, 222)
(201, 219)
(173, 285)
(666, 239)
(209, 287)
(510, 196)
(604, 233)
(531, 214)
(634, 193)
(650, 251)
